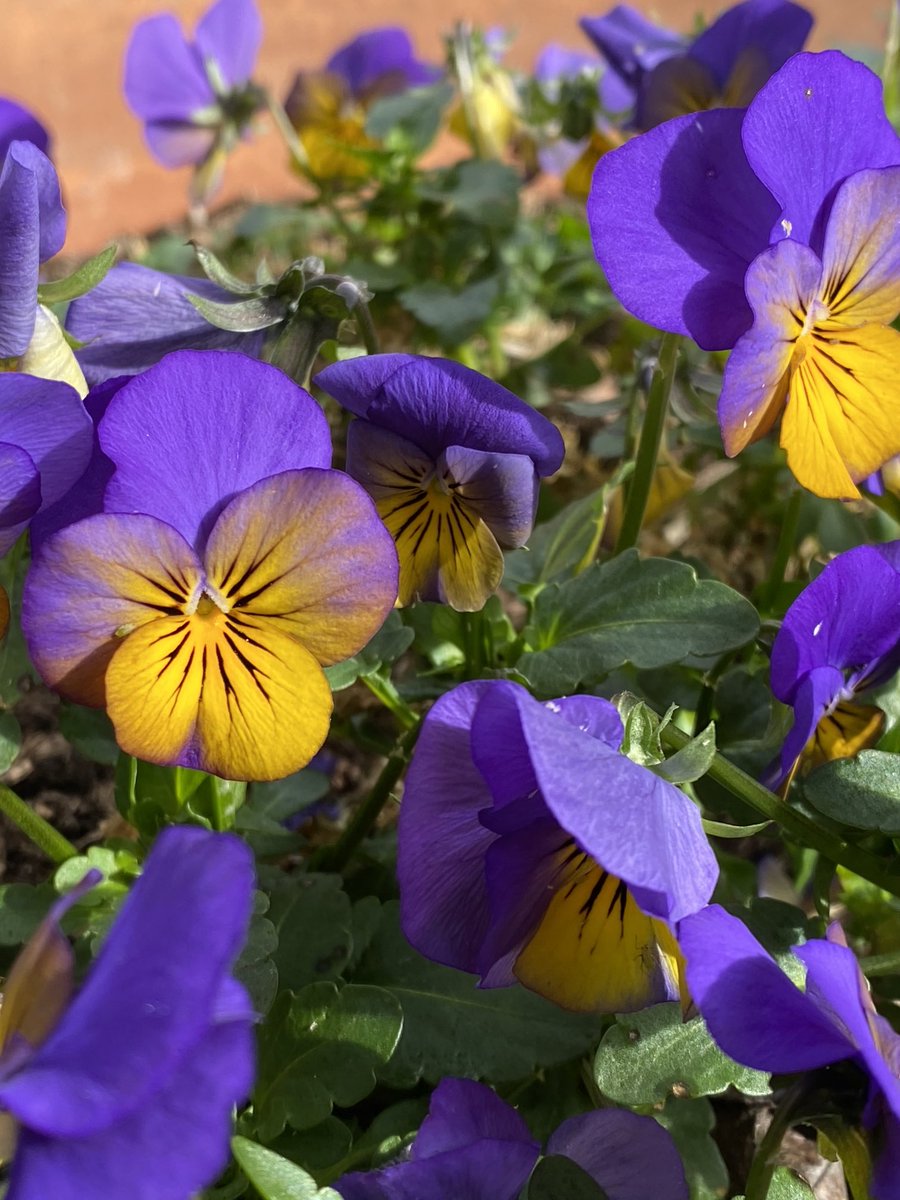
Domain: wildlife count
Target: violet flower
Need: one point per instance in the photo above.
(840, 637)
(196, 98)
(722, 68)
(774, 231)
(17, 124)
(762, 1019)
(135, 316)
(128, 1088)
(475, 1146)
(530, 849)
(45, 445)
(225, 564)
(453, 462)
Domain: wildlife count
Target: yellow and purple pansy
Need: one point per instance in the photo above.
(223, 566)
(560, 862)
(774, 231)
(453, 462)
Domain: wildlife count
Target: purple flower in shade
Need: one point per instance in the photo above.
(127, 1089)
(631, 45)
(453, 462)
(195, 98)
(475, 1146)
(774, 231)
(45, 444)
(531, 849)
(840, 637)
(135, 316)
(17, 124)
(328, 107)
(762, 1019)
(32, 230)
(225, 564)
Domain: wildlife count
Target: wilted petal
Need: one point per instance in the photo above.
(304, 552)
(164, 77)
(753, 1010)
(230, 35)
(136, 315)
(630, 1157)
(20, 493)
(676, 217)
(249, 418)
(818, 120)
(92, 584)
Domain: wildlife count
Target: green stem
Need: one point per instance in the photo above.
(783, 551)
(765, 1159)
(888, 503)
(807, 831)
(648, 447)
(289, 133)
(57, 848)
(385, 691)
(336, 857)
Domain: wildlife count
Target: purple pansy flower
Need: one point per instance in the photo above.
(135, 316)
(724, 67)
(17, 124)
(774, 231)
(102, 1090)
(475, 1146)
(380, 62)
(840, 637)
(45, 444)
(762, 1019)
(453, 462)
(531, 849)
(195, 98)
(223, 566)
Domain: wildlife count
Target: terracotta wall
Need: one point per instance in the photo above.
(63, 58)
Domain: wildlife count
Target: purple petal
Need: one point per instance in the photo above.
(462, 1112)
(676, 217)
(230, 34)
(771, 30)
(820, 119)
(136, 315)
(501, 488)
(150, 998)
(158, 1151)
(444, 911)
(436, 403)
(630, 43)
(20, 493)
(178, 143)
(17, 124)
(813, 697)
(630, 1157)
(164, 77)
(753, 1010)
(376, 54)
(886, 1168)
(47, 419)
(848, 617)
(487, 1170)
(32, 229)
(249, 418)
(85, 498)
(637, 826)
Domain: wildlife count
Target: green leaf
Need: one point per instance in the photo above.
(483, 191)
(452, 1027)
(641, 728)
(649, 612)
(411, 119)
(692, 761)
(454, 313)
(217, 272)
(863, 792)
(392, 639)
(255, 968)
(241, 316)
(81, 281)
(90, 731)
(558, 1178)
(321, 1048)
(690, 1122)
(720, 829)
(785, 1185)
(10, 740)
(647, 1056)
(847, 1143)
(286, 797)
(22, 908)
(313, 922)
(274, 1177)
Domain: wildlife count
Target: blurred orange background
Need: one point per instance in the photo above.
(63, 59)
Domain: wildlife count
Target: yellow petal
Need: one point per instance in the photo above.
(842, 419)
(595, 951)
(843, 733)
